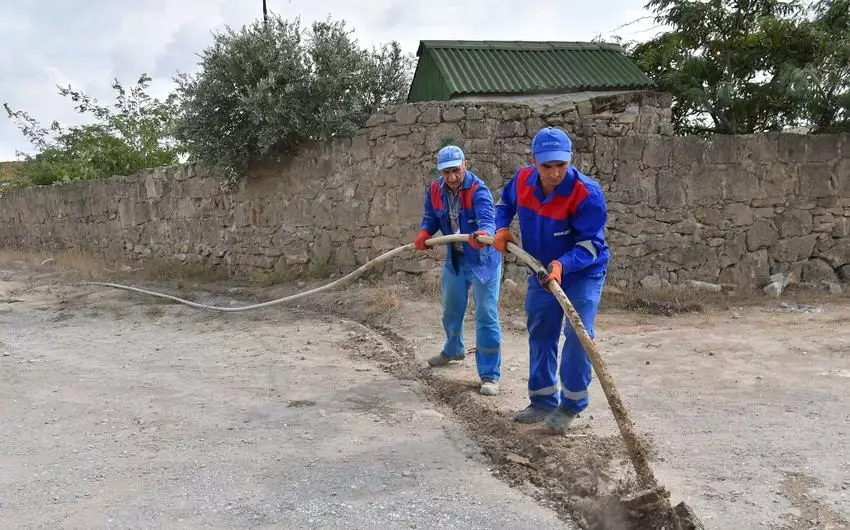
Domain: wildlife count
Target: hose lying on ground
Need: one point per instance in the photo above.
(441, 240)
(637, 454)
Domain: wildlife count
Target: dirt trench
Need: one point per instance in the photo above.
(586, 478)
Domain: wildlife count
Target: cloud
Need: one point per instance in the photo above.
(88, 44)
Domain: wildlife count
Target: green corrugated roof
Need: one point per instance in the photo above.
(451, 68)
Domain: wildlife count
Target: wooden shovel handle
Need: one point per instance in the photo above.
(637, 453)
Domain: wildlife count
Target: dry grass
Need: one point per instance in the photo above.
(75, 265)
(9, 170)
(684, 299)
(263, 278)
(66, 263)
(385, 294)
(9, 175)
(429, 283)
(373, 303)
(665, 301)
(382, 299)
(173, 271)
(662, 301)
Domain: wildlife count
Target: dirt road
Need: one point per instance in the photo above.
(120, 414)
(747, 409)
(127, 413)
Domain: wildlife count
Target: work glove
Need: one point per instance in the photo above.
(474, 242)
(503, 236)
(552, 274)
(421, 237)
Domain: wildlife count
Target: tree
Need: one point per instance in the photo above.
(133, 134)
(268, 88)
(820, 84)
(745, 66)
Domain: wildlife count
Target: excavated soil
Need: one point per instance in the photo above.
(583, 476)
(586, 475)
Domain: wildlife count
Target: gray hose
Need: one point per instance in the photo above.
(441, 240)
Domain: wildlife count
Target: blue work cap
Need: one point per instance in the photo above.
(449, 156)
(552, 145)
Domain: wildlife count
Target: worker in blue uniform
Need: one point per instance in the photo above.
(459, 202)
(562, 218)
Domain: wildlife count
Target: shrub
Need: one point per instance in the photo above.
(266, 89)
(133, 134)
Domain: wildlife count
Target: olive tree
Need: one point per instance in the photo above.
(267, 88)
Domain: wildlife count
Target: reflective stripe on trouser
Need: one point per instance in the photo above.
(545, 320)
(488, 332)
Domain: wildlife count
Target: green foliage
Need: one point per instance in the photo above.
(270, 87)
(819, 82)
(9, 170)
(9, 176)
(737, 67)
(133, 134)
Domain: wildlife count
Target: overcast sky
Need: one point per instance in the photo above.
(48, 42)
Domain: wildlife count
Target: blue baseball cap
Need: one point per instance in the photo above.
(551, 144)
(449, 156)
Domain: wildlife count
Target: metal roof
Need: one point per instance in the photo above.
(451, 68)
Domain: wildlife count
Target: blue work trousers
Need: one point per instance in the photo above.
(488, 331)
(545, 319)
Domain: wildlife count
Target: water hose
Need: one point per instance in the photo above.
(637, 454)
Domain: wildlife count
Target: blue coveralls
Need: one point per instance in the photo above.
(567, 226)
(466, 266)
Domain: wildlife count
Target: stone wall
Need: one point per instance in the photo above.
(732, 209)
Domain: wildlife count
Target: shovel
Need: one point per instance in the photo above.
(651, 497)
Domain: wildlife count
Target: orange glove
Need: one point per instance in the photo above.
(553, 273)
(421, 237)
(474, 242)
(503, 236)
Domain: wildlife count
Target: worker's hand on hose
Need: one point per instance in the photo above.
(474, 242)
(421, 237)
(503, 236)
(552, 274)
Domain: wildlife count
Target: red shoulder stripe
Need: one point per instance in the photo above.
(436, 196)
(576, 197)
(560, 207)
(467, 195)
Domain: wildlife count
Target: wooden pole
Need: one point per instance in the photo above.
(637, 454)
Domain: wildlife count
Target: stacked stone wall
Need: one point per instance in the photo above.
(729, 209)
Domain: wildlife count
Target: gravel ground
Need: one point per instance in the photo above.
(119, 413)
(747, 410)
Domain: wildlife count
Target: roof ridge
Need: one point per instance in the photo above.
(520, 45)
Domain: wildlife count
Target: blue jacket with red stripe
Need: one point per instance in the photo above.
(568, 226)
(476, 213)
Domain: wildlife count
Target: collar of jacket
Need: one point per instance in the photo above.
(466, 184)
